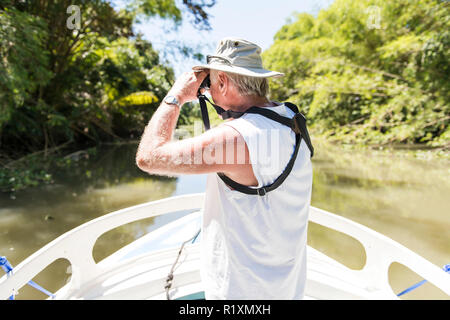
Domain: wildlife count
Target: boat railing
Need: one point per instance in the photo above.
(77, 245)
(381, 252)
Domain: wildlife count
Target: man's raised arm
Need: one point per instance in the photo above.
(221, 149)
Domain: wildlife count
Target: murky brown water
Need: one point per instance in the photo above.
(400, 196)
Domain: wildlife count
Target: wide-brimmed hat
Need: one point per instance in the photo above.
(238, 56)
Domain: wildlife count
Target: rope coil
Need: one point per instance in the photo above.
(169, 278)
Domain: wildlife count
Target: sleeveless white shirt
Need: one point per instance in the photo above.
(254, 247)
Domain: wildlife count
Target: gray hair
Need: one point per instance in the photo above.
(249, 86)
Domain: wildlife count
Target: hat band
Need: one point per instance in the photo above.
(222, 60)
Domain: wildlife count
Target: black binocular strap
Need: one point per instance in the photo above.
(204, 110)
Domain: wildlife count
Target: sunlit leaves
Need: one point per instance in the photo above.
(23, 62)
(139, 98)
(369, 71)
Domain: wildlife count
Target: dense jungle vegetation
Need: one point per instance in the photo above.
(66, 82)
(369, 71)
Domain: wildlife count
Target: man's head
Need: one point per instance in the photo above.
(226, 87)
(236, 72)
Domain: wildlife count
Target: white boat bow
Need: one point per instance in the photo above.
(139, 270)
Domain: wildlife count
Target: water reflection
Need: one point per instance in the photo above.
(39, 215)
(106, 182)
(400, 196)
(394, 193)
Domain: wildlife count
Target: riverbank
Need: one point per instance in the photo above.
(40, 168)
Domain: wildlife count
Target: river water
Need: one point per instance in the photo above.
(401, 196)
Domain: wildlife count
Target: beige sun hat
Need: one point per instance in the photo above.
(238, 56)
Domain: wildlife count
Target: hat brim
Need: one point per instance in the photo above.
(250, 72)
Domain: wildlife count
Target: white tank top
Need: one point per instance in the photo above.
(254, 247)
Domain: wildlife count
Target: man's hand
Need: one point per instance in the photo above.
(186, 87)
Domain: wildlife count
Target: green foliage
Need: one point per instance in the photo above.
(369, 71)
(163, 8)
(99, 82)
(65, 87)
(168, 9)
(23, 63)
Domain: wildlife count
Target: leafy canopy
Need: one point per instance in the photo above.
(369, 71)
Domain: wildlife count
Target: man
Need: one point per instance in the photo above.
(253, 246)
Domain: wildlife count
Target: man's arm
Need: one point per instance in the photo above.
(221, 149)
(160, 129)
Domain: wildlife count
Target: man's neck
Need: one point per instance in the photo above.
(246, 102)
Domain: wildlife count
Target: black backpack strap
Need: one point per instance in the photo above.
(278, 181)
(271, 115)
(297, 124)
(291, 106)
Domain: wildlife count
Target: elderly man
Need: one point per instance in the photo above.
(260, 176)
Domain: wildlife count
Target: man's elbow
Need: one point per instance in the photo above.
(141, 162)
(148, 163)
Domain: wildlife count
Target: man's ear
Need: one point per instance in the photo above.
(223, 82)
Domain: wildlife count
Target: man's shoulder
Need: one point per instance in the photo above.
(225, 131)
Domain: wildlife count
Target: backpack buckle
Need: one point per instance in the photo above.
(296, 123)
(261, 191)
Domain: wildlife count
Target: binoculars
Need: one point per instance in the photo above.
(206, 84)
